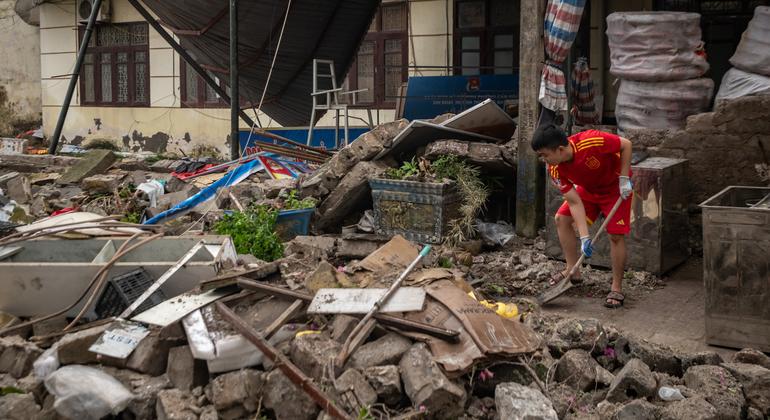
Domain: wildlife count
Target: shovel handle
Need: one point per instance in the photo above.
(596, 235)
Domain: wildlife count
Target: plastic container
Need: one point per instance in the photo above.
(753, 52)
(121, 291)
(666, 393)
(291, 223)
(655, 46)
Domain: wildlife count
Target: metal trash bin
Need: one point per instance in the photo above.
(736, 267)
(659, 234)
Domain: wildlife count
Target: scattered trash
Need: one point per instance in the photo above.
(152, 190)
(86, 393)
(666, 393)
(495, 234)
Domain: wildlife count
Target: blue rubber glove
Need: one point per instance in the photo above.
(586, 247)
(626, 187)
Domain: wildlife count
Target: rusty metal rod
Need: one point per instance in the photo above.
(393, 321)
(281, 362)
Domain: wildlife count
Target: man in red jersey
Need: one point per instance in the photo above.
(591, 169)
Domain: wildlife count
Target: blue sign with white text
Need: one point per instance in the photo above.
(429, 96)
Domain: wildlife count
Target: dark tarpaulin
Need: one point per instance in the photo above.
(315, 29)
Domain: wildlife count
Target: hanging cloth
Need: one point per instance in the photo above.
(562, 21)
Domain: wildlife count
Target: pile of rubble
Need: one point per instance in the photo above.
(583, 370)
(524, 270)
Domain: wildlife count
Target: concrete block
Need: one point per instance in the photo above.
(635, 380)
(386, 350)
(73, 347)
(427, 386)
(286, 400)
(719, 387)
(352, 193)
(184, 371)
(94, 162)
(102, 183)
(312, 353)
(18, 407)
(240, 388)
(355, 390)
(312, 247)
(386, 382)
(19, 190)
(173, 404)
(17, 356)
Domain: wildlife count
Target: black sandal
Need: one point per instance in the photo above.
(558, 277)
(618, 296)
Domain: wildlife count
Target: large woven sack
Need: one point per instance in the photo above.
(661, 105)
(753, 52)
(737, 83)
(655, 46)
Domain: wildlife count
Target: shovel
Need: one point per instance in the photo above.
(566, 284)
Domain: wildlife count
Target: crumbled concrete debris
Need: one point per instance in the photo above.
(173, 404)
(18, 407)
(386, 382)
(19, 190)
(352, 193)
(637, 410)
(354, 390)
(94, 162)
(579, 370)
(719, 388)
(428, 387)
(17, 356)
(752, 356)
(286, 400)
(313, 353)
(701, 358)
(694, 407)
(237, 393)
(311, 247)
(635, 380)
(342, 326)
(585, 334)
(518, 402)
(184, 371)
(383, 351)
(144, 387)
(658, 358)
(102, 183)
(755, 380)
(324, 277)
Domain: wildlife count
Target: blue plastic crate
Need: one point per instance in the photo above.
(292, 223)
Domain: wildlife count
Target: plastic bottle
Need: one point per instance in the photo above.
(667, 393)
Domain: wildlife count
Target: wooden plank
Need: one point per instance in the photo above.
(361, 301)
(9, 251)
(284, 318)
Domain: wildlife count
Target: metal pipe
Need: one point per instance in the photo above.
(210, 82)
(74, 79)
(235, 98)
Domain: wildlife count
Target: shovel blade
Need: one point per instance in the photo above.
(554, 291)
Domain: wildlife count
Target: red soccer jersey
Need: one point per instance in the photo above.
(595, 165)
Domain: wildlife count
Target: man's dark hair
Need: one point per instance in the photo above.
(548, 136)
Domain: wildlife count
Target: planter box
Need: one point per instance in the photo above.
(419, 211)
(736, 267)
(291, 223)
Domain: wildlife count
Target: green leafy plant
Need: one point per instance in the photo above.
(364, 414)
(445, 262)
(10, 390)
(292, 202)
(407, 170)
(253, 232)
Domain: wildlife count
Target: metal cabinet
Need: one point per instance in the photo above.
(659, 222)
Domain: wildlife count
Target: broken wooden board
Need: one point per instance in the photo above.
(492, 333)
(120, 339)
(361, 301)
(174, 309)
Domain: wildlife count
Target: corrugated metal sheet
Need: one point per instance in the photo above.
(330, 29)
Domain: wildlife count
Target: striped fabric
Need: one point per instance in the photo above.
(562, 21)
(582, 92)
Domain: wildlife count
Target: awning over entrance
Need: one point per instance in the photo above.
(328, 30)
